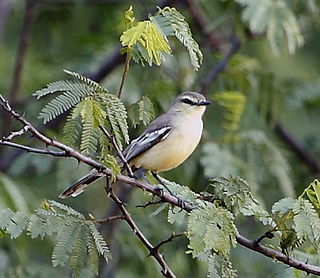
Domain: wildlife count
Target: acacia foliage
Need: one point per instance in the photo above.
(293, 221)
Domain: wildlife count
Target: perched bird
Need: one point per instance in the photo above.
(166, 142)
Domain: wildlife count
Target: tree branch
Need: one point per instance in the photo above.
(153, 251)
(220, 67)
(297, 148)
(33, 150)
(251, 244)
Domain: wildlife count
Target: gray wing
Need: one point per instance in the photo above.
(158, 130)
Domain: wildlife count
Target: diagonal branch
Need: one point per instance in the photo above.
(220, 67)
(251, 244)
(153, 251)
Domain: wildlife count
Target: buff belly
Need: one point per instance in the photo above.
(173, 150)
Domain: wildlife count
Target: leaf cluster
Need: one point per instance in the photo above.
(91, 106)
(78, 242)
(147, 41)
(274, 18)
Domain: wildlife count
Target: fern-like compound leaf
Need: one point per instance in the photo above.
(142, 112)
(211, 228)
(65, 242)
(93, 254)
(275, 19)
(78, 255)
(101, 245)
(147, 35)
(172, 22)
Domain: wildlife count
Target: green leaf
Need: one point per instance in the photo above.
(16, 196)
(234, 103)
(171, 22)
(306, 222)
(313, 193)
(117, 117)
(111, 162)
(88, 139)
(66, 209)
(276, 162)
(276, 19)
(65, 241)
(38, 227)
(142, 112)
(283, 206)
(235, 194)
(101, 245)
(18, 222)
(72, 94)
(71, 131)
(129, 18)
(93, 254)
(78, 256)
(146, 34)
(211, 228)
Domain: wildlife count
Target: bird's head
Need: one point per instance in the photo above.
(190, 102)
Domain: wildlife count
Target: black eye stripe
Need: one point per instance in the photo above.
(188, 101)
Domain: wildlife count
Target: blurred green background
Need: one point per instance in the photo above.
(280, 115)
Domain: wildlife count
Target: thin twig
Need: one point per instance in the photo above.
(125, 70)
(251, 244)
(33, 150)
(16, 133)
(153, 251)
(110, 218)
(169, 239)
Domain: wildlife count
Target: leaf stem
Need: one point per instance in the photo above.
(125, 70)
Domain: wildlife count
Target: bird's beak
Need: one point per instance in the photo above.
(203, 103)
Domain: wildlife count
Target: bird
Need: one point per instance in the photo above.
(165, 143)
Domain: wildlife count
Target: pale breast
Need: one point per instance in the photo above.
(175, 149)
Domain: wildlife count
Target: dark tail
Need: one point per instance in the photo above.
(77, 188)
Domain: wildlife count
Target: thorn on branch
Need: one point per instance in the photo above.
(150, 203)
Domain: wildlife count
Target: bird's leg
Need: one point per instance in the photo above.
(180, 202)
(162, 183)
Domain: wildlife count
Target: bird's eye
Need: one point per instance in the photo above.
(188, 101)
